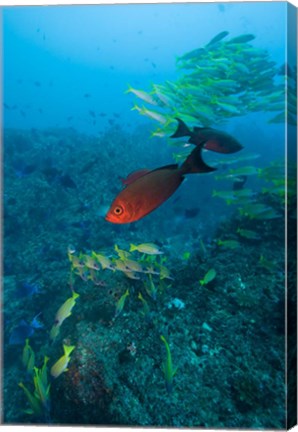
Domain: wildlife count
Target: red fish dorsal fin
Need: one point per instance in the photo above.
(134, 176)
(169, 167)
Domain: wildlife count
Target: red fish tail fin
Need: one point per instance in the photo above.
(182, 130)
(194, 163)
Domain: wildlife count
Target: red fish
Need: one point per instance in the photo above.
(150, 189)
(215, 140)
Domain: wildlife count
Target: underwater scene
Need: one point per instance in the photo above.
(149, 188)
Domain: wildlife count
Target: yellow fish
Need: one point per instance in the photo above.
(54, 331)
(151, 288)
(249, 170)
(121, 266)
(164, 272)
(252, 235)
(76, 262)
(146, 308)
(65, 310)
(122, 253)
(146, 248)
(151, 114)
(229, 244)
(90, 262)
(120, 303)
(142, 95)
(31, 362)
(27, 352)
(209, 276)
(34, 401)
(61, 365)
(226, 195)
(133, 266)
(28, 357)
(42, 388)
(103, 260)
(44, 371)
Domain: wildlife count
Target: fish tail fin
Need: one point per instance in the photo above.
(136, 107)
(68, 349)
(194, 163)
(129, 89)
(182, 130)
(132, 247)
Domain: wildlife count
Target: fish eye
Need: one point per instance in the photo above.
(118, 210)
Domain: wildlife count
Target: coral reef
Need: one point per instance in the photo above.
(227, 339)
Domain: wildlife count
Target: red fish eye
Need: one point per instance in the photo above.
(118, 210)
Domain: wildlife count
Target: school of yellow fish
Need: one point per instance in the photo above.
(223, 79)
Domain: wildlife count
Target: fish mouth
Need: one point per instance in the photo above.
(111, 219)
(108, 218)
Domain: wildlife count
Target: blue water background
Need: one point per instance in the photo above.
(99, 50)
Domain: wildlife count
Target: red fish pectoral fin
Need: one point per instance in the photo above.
(222, 146)
(216, 146)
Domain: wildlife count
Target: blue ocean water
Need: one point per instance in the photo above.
(207, 270)
(54, 56)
